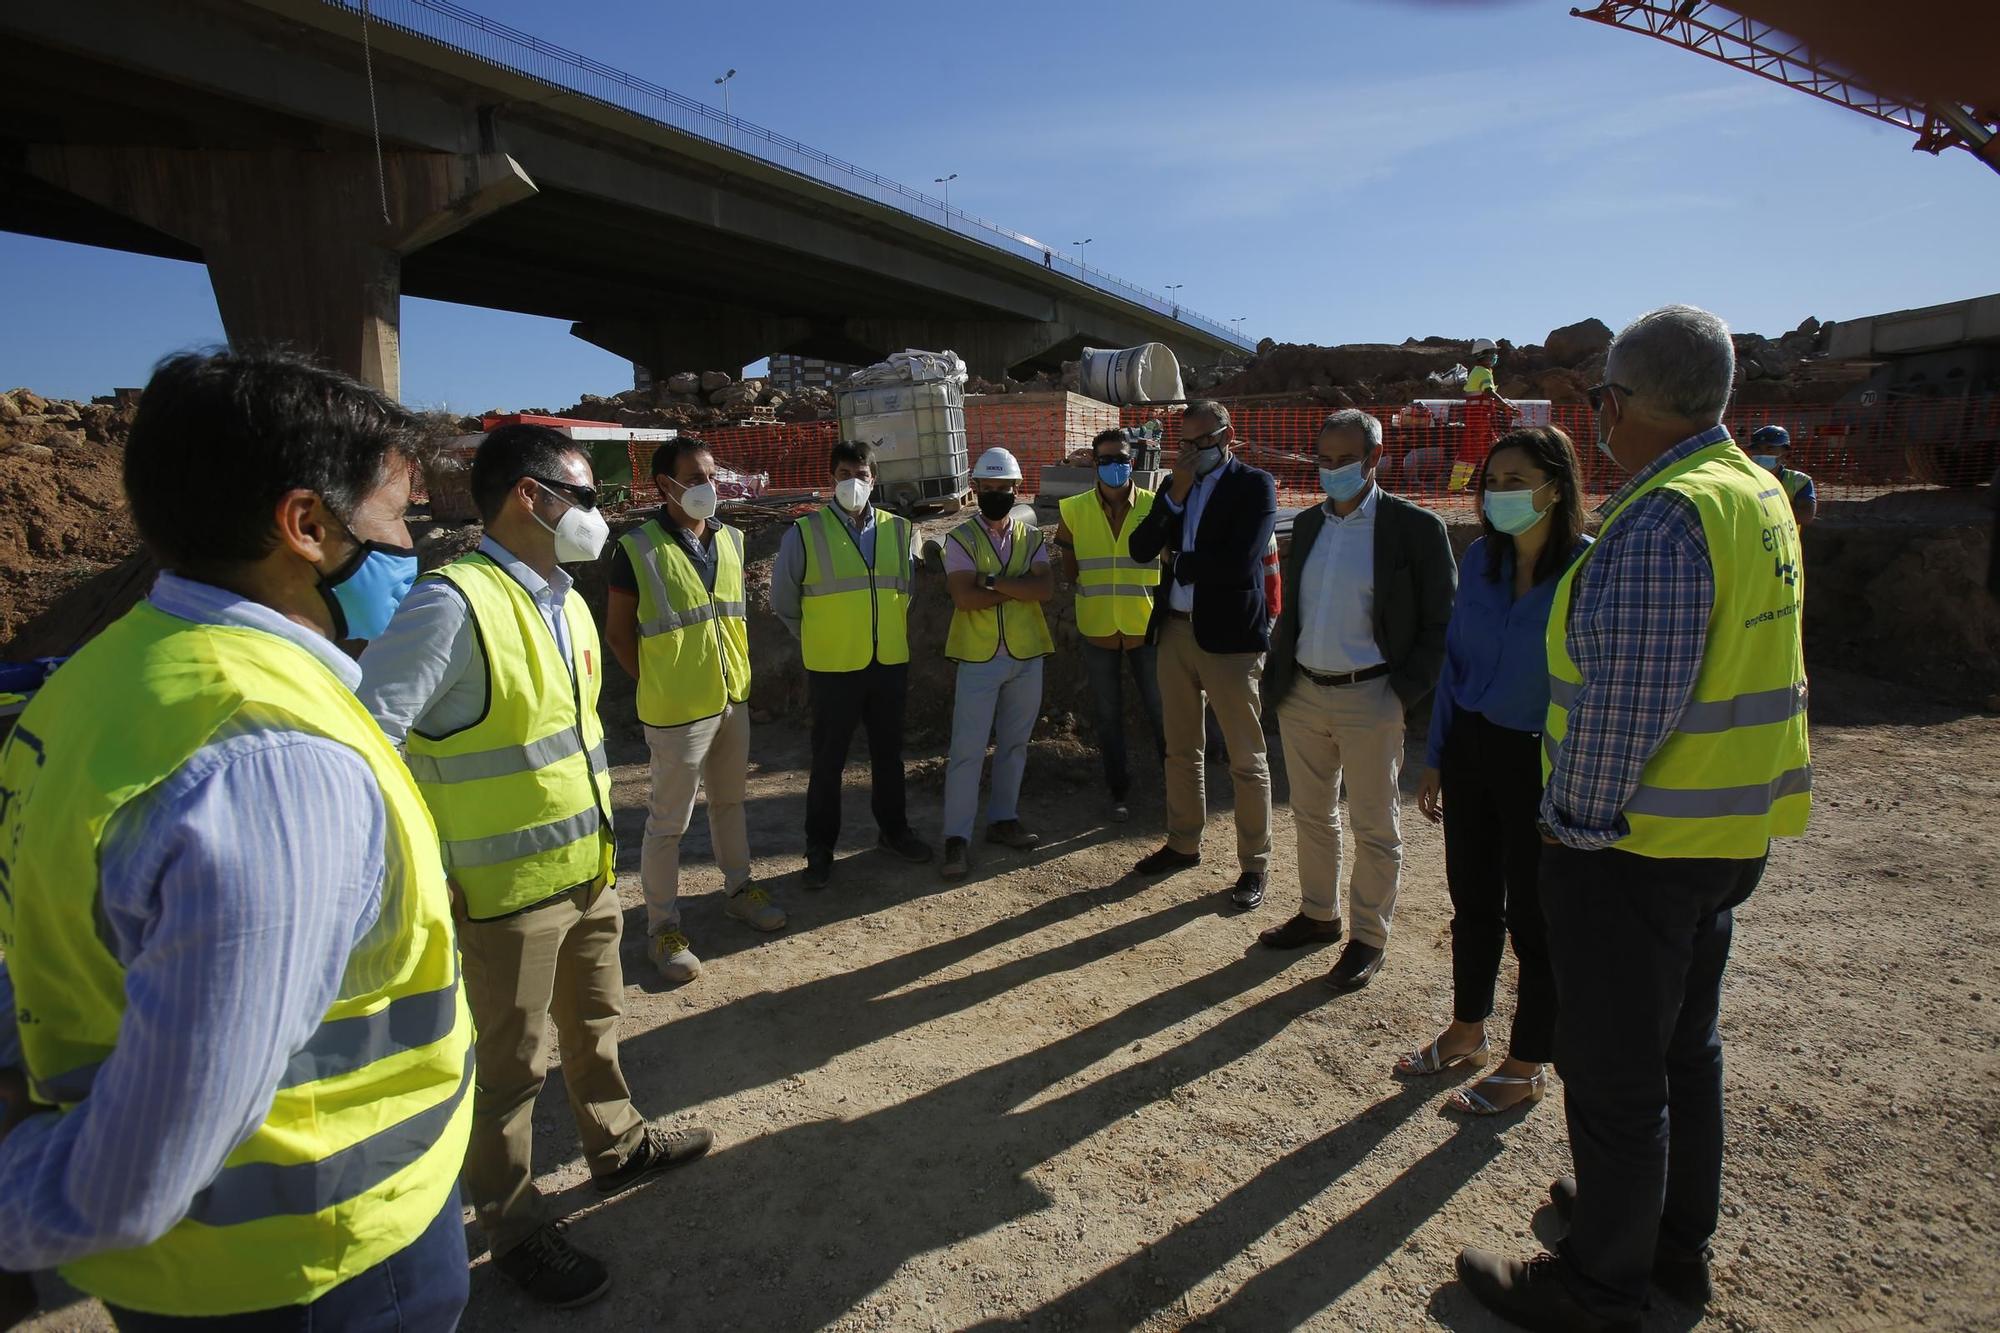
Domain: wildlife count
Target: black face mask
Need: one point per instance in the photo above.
(996, 505)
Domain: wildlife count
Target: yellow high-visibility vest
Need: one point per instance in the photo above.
(522, 797)
(367, 1130)
(975, 635)
(1736, 771)
(694, 645)
(854, 612)
(1114, 592)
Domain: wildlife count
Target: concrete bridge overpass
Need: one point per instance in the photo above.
(512, 175)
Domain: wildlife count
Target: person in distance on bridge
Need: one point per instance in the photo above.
(234, 1048)
(1114, 602)
(677, 622)
(488, 677)
(1770, 446)
(1675, 751)
(842, 584)
(1213, 629)
(996, 569)
(1369, 582)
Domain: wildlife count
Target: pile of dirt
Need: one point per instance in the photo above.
(1789, 369)
(63, 518)
(660, 407)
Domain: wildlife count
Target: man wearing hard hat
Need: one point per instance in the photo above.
(1481, 401)
(1769, 448)
(997, 572)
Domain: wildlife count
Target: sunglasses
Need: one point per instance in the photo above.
(1596, 394)
(583, 497)
(1103, 459)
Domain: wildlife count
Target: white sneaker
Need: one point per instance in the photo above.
(672, 957)
(753, 907)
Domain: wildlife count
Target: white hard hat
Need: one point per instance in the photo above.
(1481, 346)
(997, 464)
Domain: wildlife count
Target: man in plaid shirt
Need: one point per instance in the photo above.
(1677, 748)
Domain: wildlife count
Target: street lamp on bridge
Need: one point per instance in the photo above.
(727, 126)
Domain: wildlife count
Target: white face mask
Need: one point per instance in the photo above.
(852, 494)
(698, 502)
(580, 534)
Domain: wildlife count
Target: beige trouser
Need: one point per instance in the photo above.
(712, 753)
(1355, 732)
(1229, 683)
(557, 960)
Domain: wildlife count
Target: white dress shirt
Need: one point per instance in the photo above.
(1180, 596)
(1337, 593)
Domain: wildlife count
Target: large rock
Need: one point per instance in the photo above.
(711, 380)
(1574, 344)
(685, 382)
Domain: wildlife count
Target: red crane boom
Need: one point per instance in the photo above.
(1748, 44)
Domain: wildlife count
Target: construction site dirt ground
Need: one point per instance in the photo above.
(1054, 1096)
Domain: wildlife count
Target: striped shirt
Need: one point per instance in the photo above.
(232, 894)
(1638, 627)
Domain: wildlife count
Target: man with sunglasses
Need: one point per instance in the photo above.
(1213, 627)
(488, 676)
(1675, 750)
(1114, 602)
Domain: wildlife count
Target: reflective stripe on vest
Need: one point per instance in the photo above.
(368, 1121)
(854, 612)
(975, 636)
(1114, 592)
(522, 797)
(1736, 769)
(694, 642)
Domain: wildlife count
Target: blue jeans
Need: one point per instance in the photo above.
(419, 1289)
(1107, 689)
(1638, 945)
(997, 699)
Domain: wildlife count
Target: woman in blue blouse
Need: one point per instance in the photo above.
(1482, 774)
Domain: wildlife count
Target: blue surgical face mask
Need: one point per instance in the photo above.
(1342, 483)
(1512, 512)
(1769, 462)
(367, 588)
(1114, 475)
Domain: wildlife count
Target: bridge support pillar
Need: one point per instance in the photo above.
(302, 248)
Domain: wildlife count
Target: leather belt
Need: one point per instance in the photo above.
(1178, 615)
(1344, 677)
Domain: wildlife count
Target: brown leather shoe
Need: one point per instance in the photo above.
(1532, 1293)
(1688, 1281)
(1300, 932)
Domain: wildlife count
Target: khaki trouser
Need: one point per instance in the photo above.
(713, 753)
(1229, 683)
(1355, 732)
(558, 960)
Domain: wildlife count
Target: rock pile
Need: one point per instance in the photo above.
(62, 500)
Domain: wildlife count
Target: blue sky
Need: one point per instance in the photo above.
(1352, 170)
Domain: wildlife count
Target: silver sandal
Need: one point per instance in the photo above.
(1471, 1102)
(1427, 1061)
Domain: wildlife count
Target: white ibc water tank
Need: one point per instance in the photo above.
(1148, 373)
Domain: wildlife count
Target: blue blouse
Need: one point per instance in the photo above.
(1495, 652)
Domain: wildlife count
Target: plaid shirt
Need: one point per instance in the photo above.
(1638, 627)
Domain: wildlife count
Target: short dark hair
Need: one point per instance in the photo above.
(667, 458)
(511, 452)
(1551, 451)
(851, 451)
(221, 436)
(1115, 435)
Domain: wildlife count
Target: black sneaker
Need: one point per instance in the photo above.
(906, 845)
(1685, 1280)
(819, 869)
(1009, 833)
(1166, 861)
(553, 1271)
(659, 1150)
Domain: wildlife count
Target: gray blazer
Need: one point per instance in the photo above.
(1416, 579)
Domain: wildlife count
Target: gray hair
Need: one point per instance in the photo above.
(1353, 418)
(1677, 362)
(1210, 411)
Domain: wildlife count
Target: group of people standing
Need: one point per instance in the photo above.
(213, 797)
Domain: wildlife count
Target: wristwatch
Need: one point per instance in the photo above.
(989, 584)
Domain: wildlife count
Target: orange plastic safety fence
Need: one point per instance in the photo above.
(1432, 451)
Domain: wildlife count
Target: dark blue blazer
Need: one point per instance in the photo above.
(1226, 566)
